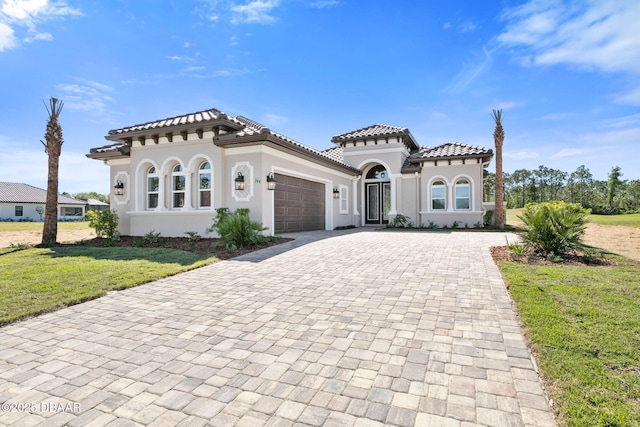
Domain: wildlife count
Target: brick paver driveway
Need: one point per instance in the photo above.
(359, 328)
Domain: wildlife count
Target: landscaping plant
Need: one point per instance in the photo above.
(237, 230)
(104, 223)
(554, 227)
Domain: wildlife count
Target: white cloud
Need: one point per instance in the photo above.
(506, 105)
(467, 26)
(568, 152)
(556, 116)
(630, 97)
(622, 122)
(7, 39)
(447, 25)
(89, 96)
(275, 120)
(29, 14)
(254, 12)
(39, 36)
(521, 155)
(321, 4)
(469, 72)
(594, 35)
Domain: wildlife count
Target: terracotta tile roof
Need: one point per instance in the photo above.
(253, 128)
(371, 132)
(109, 151)
(450, 150)
(185, 119)
(12, 192)
(336, 153)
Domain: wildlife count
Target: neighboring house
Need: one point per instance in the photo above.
(96, 205)
(23, 202)
(173, 173)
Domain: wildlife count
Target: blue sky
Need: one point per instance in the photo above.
(566, 74)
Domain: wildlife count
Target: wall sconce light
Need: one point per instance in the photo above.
(271, 182)
(118, 189)
(239, 182)
(336, 193)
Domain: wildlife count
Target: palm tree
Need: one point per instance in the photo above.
(53, 148)
(498, 138)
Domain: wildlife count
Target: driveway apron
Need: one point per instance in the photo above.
(352, 328)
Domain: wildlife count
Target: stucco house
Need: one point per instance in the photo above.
(23, 202)
(170, 175)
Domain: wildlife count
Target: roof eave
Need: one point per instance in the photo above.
(487, 156)
(213, 125)
(283, 145)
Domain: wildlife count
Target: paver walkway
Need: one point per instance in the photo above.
(347, 328)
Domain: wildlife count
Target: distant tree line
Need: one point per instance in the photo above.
(543, 184)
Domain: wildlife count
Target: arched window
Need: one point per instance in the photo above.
(438, 195)
(204, 185)
(153, 188)
(177, 186)
(463, 194)
(377, 172)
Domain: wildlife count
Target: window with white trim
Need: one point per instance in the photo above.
(204, 185)
(153, 188)
(178, 184)
(438, 195)
(463, 194)
(344, 199)
(19, 211)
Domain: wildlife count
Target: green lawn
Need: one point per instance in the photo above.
(628, 220)
(34, 281)
(584, 324)
(37, 226)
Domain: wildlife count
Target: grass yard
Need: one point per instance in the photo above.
(34, 281)
(584, 325)
(37, 226)
(627, 220)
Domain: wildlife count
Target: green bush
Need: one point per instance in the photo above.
(104, 223)
(554, 227)
(152, 238)
(400, 221)
(237, 230)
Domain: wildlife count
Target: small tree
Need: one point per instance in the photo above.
(614, 183)
(498, 138)
(53, 148)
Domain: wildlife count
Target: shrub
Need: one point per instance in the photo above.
(237, 230)
(104, 223)
(517, 250)
(152, 237)
(400, 221)
(554, 227)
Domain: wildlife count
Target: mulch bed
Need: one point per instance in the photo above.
(502, 253)
(200, 247)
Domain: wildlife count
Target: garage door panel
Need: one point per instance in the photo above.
(299, 204)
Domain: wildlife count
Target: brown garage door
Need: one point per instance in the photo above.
(299, 204)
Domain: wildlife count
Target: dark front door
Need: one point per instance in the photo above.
(378, 202)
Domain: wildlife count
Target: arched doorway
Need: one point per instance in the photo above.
(377, 192)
